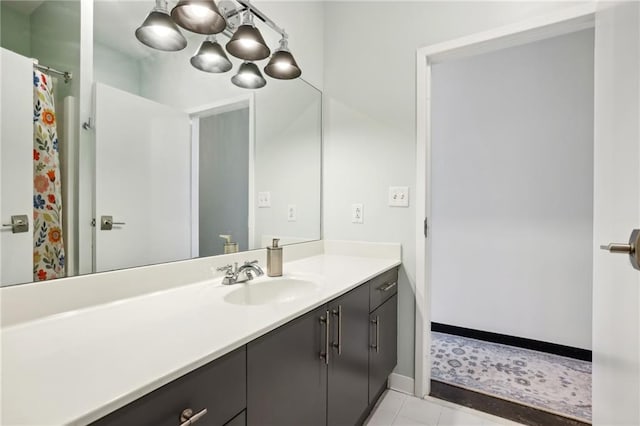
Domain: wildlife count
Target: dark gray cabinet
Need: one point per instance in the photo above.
(348, 376)
(219, 387)
(287, 377)
(239, 420)
(325, 368)
(383, 350)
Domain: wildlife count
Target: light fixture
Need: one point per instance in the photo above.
(282, 65)
(249, 77)
(247, 42)
(211, 57)
(199, 16)
(159, 31)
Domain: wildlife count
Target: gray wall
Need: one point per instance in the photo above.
(224, 180)
(512, 191)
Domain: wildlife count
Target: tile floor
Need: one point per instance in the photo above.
(399, 409)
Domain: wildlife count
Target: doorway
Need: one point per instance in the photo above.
(616, 205)
(222, 177)
(512, 184)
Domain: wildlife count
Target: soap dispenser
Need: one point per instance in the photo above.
(274, 259)
(229, 246)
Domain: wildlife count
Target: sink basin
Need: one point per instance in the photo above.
(271, 291)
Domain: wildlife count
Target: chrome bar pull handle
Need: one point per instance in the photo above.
(388, 286)
(188, 418)
(106, 223)
(19, 223)
(338, 313)
(630, 248)
(326, 320)
(376, 323)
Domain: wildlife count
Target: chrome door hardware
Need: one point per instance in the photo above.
(338, 313)
(19, 223)
(188, 418)
(388, 286)
(631, 248)
(326, 320)
(376, 323)
(106, 223)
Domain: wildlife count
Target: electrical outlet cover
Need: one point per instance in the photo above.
(264, 199)
(399, 196)
(357, 213)
(292, 213)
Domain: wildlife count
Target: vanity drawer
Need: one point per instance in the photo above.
(382, 287)
(219, 387)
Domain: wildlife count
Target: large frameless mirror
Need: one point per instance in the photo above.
(183, 163)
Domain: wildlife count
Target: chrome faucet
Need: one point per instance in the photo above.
(235, 275)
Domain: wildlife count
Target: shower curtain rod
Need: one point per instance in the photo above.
(64, 74)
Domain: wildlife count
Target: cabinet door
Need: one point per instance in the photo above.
(286, 375)
(349, 362)
(383, 350)
(239, 420)
(219, 387)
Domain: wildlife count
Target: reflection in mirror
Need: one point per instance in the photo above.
(179, 156)
(40, 61)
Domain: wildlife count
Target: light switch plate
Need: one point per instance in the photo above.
(357, 213)
(264, 199)
(292, 213)
(399, 196)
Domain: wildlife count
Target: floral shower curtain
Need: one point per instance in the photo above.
(48, 247)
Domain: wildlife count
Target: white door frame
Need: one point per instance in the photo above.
(219, 107)
(562, 22)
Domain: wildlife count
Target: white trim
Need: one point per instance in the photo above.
(86, 144)
(222, 105)
(252, 174)
(561, 22)
(195, 186)
(401, 383)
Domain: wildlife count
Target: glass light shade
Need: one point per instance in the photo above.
(160, 32)
(249, 77)
(199, 16)
(282, 65)
(211, 57)
(247, 42)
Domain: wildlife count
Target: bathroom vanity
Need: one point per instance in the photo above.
(315, 346)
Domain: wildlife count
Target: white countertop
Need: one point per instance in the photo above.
(75, 367)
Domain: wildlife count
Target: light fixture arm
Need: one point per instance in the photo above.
(262, 16)
(162, 5)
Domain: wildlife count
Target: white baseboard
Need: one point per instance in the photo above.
(401, 383)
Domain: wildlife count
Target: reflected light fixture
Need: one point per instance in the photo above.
(247, 42)
(282, 65)
(199, 16)
(159, 31)
(249, 77)
(211, 57)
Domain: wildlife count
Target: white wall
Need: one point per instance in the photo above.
(288, 162)
(369, 117)
(512, 197)
(116, 69)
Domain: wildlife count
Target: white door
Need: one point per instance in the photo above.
(616, 285)
(16, 166)
(143, 179)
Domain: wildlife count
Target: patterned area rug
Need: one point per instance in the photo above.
(548, 382)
